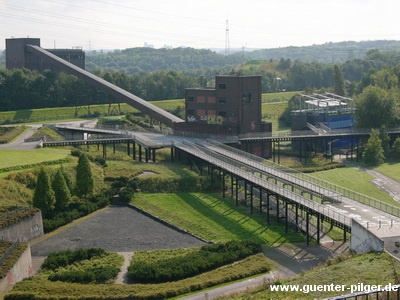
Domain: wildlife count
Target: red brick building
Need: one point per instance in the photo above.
(233, 107)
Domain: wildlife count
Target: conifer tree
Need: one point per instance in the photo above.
(43, 197)
(84, 177)
(373, 152)
(61, 191)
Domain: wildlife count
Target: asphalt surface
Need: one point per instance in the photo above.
(117, 229)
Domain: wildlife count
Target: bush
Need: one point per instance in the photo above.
(208, 257)
(93, 275)
(54, 219)
(97, 160)
(67, 257)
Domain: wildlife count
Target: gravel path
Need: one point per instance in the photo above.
(117, 229)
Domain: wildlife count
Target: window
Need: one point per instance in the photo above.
(221, 100)
(211, 112)
(246, 97)
(222, 86)
(190, 99)
(201, 112)
(201, 99)
(211, 99)
(190, 112)
(222, 114)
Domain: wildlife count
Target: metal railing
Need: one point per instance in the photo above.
(291, 174)
(257, 163)
(208, 156)
(9, 251)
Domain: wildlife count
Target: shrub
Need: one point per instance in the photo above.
(67, 257)
(99, 274)
(208, 257)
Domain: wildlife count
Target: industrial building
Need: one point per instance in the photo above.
(327, 111)
(232, 107)
(18, 57)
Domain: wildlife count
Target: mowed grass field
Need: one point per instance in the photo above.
(356, 180)
(214, 218)
(390, 169)
(11, 158)
(273, 103)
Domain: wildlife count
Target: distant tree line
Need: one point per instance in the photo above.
(26, 89)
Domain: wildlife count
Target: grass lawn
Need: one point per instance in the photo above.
(390, 169)
(214, 218)
(278, 97)
(362, 268)
(356, 180)
(272, 113)
(167, 170)
(10, 158)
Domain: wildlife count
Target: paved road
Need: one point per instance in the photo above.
(19, 143)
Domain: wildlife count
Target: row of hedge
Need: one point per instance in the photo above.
(320, 168)
(16, 216)
(30, 166)
(53, 219)
(46, 290)
(67, 257)
(208, 257)
(12, 258)
(97, 273)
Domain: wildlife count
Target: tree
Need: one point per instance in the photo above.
(385, 138)
(43, 197)
(373, 152)
(84, 177)
(61, 191)
(340, 84)
(396, 148)
(376, 107)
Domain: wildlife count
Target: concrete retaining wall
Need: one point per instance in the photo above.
(26, 230)
(362, 240)
(21, 270)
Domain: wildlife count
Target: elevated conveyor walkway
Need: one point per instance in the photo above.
(153, 111)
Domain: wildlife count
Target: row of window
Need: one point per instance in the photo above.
(246, 98)
(204, 99)
(202, 112)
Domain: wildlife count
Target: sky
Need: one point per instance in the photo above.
(111, 24)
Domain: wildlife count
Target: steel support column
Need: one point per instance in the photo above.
(251, 199)
(286, 217)
(307, 228)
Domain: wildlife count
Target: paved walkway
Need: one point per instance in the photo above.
(385, 183)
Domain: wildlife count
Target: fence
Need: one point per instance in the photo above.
(9, 251)
(290, 173)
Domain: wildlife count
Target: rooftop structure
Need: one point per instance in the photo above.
(328, 110)
(326, 103)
